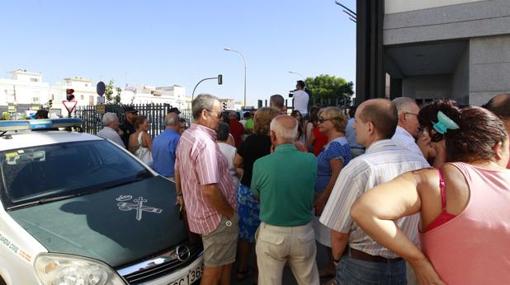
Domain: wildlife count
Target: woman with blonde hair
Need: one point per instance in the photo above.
(330, 161)
(255, 146)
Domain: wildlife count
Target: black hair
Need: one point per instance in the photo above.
(223, 131)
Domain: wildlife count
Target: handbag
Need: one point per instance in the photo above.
(143, 153)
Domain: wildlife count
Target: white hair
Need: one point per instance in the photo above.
(403, 103)
(109, 118)
(288, 135)
(202, 102)
(171, 119)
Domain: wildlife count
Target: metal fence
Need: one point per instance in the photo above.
(155, 113)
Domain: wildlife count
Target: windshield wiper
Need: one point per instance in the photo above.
(140, 175)
(43, 201)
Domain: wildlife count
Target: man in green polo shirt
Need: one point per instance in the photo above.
(284, 182)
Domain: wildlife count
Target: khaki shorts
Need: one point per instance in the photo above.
(221, 244)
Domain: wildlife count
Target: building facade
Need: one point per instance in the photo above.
(174, 95)
(25, 91)
(429, 49)
(24, 87)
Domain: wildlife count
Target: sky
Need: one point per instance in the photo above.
(167, 42)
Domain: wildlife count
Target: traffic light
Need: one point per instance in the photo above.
(69, 94)
(224, 106)
(220, 79)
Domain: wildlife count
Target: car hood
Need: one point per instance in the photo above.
(118, 225)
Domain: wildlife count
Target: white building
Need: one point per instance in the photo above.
(24, 87)
(27, 90)
(84, 91)
(174, 95)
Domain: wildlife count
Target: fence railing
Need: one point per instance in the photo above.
(155, 113)
(92, 119)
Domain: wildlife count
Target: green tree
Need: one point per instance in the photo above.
(328, 88)
(116, 99)
(108, 93)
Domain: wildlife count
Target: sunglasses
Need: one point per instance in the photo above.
(322, 120)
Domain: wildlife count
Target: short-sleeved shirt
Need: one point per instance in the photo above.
(301, 99)
(249, 124)
(284, 182)
(382, 162)
(200, 162)
(254, 147)
(111, 134)
(163, 152)
(336, 149)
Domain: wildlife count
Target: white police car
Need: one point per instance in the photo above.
(77, 209)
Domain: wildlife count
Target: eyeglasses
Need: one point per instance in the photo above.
(409, 113)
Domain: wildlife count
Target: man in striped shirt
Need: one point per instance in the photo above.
(360, 260)
(208, 190)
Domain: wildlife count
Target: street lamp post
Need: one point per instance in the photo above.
(244, 62)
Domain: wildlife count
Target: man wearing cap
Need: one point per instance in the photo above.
(174, 110)
(127, 126)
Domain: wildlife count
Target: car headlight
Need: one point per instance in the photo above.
(59, 269)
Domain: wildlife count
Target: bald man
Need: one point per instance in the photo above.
(285, 235)
(358, 258)
(500, 105)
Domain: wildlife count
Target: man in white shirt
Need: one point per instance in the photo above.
(408, 124)
(111, 127)
(301, 98)
(359, 259)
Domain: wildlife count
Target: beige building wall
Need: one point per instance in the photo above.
(399, 6)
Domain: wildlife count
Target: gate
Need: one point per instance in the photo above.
(155, 113)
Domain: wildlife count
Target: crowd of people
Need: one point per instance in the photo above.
(399, 193)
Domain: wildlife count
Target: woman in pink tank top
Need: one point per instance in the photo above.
(464, 206)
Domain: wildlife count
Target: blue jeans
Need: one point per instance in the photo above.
(352, 271)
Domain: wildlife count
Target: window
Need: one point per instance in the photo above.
(35, 100)
(36, 173)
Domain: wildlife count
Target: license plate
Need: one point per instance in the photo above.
(190, 278)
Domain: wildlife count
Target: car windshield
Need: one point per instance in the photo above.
(50, 172)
